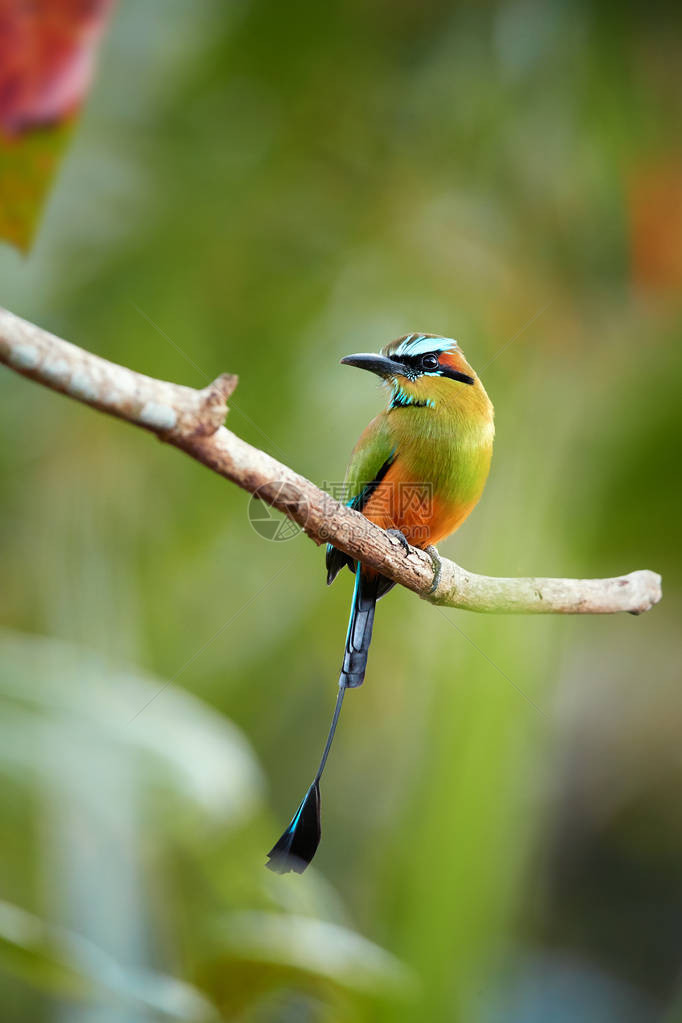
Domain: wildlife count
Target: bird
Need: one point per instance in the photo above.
(418, 470)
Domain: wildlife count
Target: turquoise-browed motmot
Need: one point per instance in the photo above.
(417, 470)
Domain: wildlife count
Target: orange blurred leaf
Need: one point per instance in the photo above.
(655, 207)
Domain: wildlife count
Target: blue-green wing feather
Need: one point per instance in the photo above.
(372, 457)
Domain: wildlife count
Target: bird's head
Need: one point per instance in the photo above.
(422, 371)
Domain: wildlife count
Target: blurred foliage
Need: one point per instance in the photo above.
(27, 166)
(47, 51)
(262, 188)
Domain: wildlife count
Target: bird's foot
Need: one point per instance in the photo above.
(437, 567)
(404, 542)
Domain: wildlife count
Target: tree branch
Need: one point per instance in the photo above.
(192, 421)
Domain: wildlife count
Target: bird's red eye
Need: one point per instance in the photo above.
(430, 361)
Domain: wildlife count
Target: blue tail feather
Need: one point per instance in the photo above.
(297, 846)
(360, 623)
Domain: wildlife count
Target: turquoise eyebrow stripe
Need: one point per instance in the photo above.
(419, 344)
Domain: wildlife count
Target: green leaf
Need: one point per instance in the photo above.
(323, 950)
(62, 963)
(55, 696)
(27, 166)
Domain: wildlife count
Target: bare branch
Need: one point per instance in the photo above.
(153, 404)
(191, 420)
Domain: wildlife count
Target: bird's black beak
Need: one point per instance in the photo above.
(379, 364)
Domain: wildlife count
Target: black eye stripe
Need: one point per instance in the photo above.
(414, 363)
(454, 374)
(410, 361)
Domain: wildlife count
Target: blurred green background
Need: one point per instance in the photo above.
(261, 188)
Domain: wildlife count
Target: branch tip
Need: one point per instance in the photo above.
(226, 384)
(213, 406)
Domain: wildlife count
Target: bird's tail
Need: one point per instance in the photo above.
(359, 635)
(297, 846)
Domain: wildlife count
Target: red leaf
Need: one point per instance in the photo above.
(47, 53)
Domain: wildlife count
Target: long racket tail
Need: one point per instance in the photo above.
(297, 846)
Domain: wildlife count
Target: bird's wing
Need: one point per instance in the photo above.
(372, 457)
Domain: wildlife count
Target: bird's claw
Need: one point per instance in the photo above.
(437, 567)
(404, 542)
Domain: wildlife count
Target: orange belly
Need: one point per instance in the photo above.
(415, 510)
